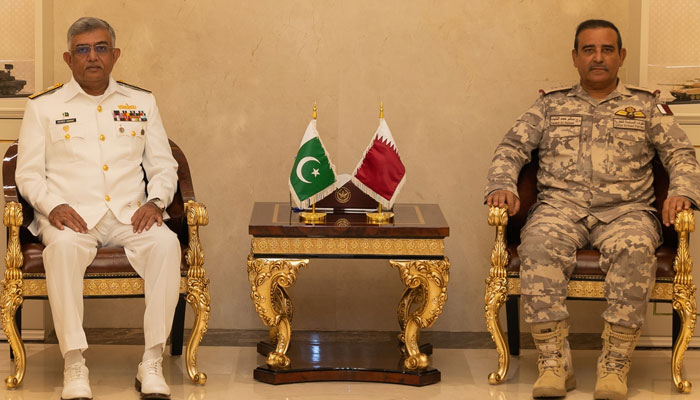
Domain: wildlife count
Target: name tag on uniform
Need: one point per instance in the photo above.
(65, 121)
(626, 123)
(565, 120)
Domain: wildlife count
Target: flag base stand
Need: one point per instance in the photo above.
(312, 217)
(379, 217)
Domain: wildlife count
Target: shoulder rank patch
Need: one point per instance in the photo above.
(47, 90)
(133, 86)
(630, 112)
(641, 89)
(554, 90)
(664, 109)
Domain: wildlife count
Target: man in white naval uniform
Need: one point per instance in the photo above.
(83, 150)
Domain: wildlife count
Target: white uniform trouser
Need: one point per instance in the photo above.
(154, 254)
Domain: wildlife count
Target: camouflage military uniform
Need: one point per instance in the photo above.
(595, 189)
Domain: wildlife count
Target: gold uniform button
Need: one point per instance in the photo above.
(65, 128)
(105, 167)
(67, 136)
(102, 137)
(138, 203)
(99, 108)
(133, 133)
(107, 198)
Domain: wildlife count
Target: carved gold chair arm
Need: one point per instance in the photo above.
(497, 291)
(498, 217)
(197, 286)
(684, 301)
(12, 290)
(684, 223)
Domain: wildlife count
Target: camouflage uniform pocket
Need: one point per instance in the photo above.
(629, 149)
(560, 147)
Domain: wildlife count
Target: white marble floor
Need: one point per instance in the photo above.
(230, 376)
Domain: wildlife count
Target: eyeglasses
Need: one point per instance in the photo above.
(84, 49)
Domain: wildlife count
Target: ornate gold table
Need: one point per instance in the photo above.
(413, 243)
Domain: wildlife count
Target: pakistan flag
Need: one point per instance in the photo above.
(313, 175)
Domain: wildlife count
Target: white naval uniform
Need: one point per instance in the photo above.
(75, 150)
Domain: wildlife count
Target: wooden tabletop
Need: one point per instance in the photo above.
(410, 221)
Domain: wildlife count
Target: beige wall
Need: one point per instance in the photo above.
(236, 81)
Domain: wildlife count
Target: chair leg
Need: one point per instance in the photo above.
(197, 288)
(675, 329)
(685, 305)
(496, 295)
(497, 291)
(18, 322)
(513, 324)
(10, 300)
(178, 330)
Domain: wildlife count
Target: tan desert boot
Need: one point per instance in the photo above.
(556, 373)
(614, 362)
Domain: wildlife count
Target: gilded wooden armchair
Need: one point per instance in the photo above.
(674, 284)
(110, 274)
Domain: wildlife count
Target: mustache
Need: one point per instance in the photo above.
(600, 66)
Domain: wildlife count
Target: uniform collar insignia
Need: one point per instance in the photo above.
(630, 112)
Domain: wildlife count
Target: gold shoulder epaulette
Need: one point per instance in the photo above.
(133, 86)
(642, 89)
(553, 90)
(47, 90)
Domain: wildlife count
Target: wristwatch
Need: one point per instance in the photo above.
(158, 202)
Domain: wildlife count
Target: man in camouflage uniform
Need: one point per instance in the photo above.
(596, 140)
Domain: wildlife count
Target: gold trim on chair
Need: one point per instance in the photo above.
(594, 289)
(683, 297)
(496, 291)
(12, 296)
(16, 285)
(681, 292)
(197, 287)
(14, 288)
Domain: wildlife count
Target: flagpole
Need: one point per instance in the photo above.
(380, 217)
(313, 217)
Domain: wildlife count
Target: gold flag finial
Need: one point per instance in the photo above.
(314, 115)
(381, 109)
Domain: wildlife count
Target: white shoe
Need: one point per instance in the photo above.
(76, 385)
(150, 381)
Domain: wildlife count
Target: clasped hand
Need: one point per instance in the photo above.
(672, 205)
(64, 215)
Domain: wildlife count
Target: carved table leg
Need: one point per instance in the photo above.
(427, 283)
(281, 297)
(683, 297)
(12, 291)
(197, 288)
(268, 277)
(410, 297)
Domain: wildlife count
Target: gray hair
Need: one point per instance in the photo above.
(89, 24)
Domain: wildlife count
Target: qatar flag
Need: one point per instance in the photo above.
(380, 173)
